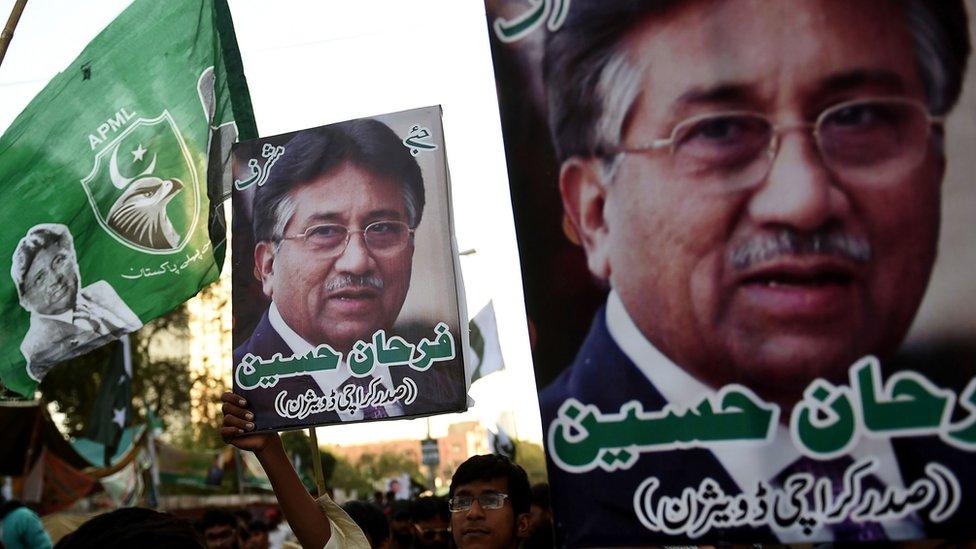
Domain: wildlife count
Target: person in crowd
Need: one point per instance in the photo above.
(401, 527)
(21, 528)
(131, 527)
(259, 535)
(221, 529)
(489, 502)
(371, 520)
(431, 519)
(334, 530)
(540, 519)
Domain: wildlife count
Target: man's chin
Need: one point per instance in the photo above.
(781, 370)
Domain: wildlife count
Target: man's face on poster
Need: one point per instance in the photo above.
(339, 297)
(768, 265)
(51, 281)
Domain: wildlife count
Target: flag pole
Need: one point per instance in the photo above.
(8, 30)
(317, 462)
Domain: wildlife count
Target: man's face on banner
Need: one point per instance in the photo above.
(769, 265)
(51, 282)
(339, 299)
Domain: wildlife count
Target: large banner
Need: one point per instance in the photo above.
(728, 215)
(107, 184)
(346, 286)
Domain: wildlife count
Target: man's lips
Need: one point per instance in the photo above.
(354, 299)
(800, 287)
(475, 532)
(801, 271)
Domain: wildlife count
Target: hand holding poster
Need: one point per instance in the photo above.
(346, 298)
(756, 187)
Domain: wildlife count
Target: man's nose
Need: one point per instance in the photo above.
(476, 512)
(800, 191)
(355, 258)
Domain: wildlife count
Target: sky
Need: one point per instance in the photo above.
(310, 63)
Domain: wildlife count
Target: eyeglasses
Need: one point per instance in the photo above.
(381, 237)
(487, 500)
(430, 534)
(868, 142)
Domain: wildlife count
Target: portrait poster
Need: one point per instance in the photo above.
(745, 232)
(346, 287)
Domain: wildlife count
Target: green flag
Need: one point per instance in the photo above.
(111, 181)
(112, 411)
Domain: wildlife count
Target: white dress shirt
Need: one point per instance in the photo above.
(330, 379)
(746, 464)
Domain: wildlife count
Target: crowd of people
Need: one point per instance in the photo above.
(490, 504)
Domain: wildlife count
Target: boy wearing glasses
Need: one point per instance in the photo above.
(758, 184)
(489, 501)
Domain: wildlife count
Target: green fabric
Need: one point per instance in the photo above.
(22, 529)
(111, 410)
(94, 451)
(141, 103)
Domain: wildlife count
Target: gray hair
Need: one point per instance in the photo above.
(592, 83)
(309, 154)
(38, 238)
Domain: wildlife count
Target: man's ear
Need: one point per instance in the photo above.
(264, 256)
(584, 196)
(522, 526)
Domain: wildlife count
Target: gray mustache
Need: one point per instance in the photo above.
(355, 281)
(767, 247)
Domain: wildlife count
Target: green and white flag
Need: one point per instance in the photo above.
(485, 354)
(111, 411)
(111, 181)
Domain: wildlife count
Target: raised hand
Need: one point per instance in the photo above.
(238, 421)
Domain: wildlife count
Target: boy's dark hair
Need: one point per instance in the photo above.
(256, 526)
(133, 527)
(428, 507)
(370, 518)
(489, 467)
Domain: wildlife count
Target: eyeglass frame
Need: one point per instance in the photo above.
(503, 496)
(430, 532)
(303, 236)
(772, 147)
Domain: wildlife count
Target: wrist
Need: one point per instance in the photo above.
(271, 450)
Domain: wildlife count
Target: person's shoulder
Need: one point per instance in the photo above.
(263, 338)
(598, 357)
(40, 335)
(101, 292)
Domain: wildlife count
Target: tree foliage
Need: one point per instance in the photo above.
(532, 458)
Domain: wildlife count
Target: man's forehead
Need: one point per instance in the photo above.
(478, 487)
(765, 52)
(349, 194)
(47, 254)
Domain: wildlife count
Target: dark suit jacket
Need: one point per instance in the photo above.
(439, 389)
(596, 508)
